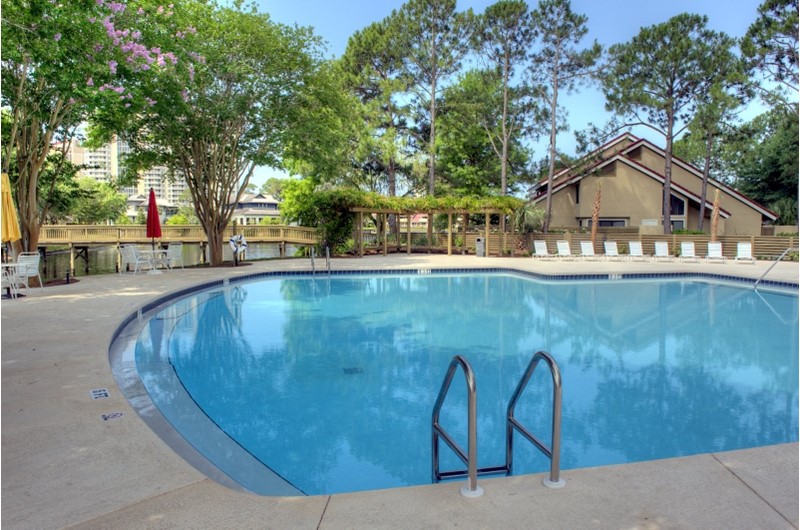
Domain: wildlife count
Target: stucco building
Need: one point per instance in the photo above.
(630, 174)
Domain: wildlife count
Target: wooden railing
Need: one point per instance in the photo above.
(77, 235)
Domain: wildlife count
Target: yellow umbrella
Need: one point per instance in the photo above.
(10, 223)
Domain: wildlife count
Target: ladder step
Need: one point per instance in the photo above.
(494, 470)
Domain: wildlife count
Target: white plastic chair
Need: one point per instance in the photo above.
(587, 251)
(10, 282)
(129, 255)
(174, 255)
(28, 268)
(611, 250)
(540, 250)
(687, 252)
(662, 251)
(744, 253)
(715, 252)
(635, 251)
(564, 252)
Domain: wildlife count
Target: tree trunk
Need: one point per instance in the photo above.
(665, 208)
(432, 141)
(215, 242)
(552, 154)
(704, 189)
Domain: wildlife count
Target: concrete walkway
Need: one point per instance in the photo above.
(63, 465)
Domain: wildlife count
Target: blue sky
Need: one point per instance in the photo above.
(609, 21)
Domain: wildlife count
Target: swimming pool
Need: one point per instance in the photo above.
(329, 382)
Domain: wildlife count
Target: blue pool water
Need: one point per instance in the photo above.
(330, 382)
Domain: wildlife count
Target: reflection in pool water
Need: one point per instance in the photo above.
(331, 382)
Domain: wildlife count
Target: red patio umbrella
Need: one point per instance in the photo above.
(153, 222)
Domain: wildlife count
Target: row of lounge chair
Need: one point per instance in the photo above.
(744, 252)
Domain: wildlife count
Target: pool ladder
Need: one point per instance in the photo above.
(327, 260)
(470, 456)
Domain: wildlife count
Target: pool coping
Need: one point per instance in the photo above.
(65, 467)
(258, 476)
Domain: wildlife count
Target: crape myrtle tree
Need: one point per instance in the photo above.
(256, 93)
(61, 61)
(658, 78)
(558, 65)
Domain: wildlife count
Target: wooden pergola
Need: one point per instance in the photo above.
(385, 213)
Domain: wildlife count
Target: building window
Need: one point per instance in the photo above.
(578, 193)
(615, 223)
(676, 206)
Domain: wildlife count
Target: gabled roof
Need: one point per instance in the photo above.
(566, 177)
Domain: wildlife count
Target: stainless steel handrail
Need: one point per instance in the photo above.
(511, 422)
(470, 458)
(313, 265)
(328, 258)
(790, 249)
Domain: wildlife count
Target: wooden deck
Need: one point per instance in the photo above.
(85, 235)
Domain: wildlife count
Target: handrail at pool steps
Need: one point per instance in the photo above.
(554, 453)
(471, 459)
(780, 258)
(472, 471)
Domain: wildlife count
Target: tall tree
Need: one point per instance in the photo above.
(469, 136)
(656, 80)
(717, 110)
(60, 62)
(258, 95)
(771, 45)
(559, 66)
(504, 36)
(373, 66)
(433, 40)
(766, 167)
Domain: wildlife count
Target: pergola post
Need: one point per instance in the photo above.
(464, 233)
(385, 235)
(408, 235)
(488, 218)
(360, 232)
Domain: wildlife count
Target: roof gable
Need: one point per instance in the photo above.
(567, 176)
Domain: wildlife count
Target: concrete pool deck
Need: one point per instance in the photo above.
(64, 466)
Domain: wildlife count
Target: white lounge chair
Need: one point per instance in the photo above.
(174, 255)
(744, 253)
(715, 252)
(687, 252)
(587, 251)
(662, 251)
(611, 250)
(564, 252)
(28, 267)
(129, 255)
(635, 251)
(540, 250)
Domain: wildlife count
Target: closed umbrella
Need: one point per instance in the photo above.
(11, 231)
(153, 222)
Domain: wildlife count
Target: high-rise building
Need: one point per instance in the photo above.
(104, 164)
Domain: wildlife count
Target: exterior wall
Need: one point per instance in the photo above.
(744, 220)
(624, 195)
(563, 208)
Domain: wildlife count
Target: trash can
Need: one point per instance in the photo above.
(480, 247)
